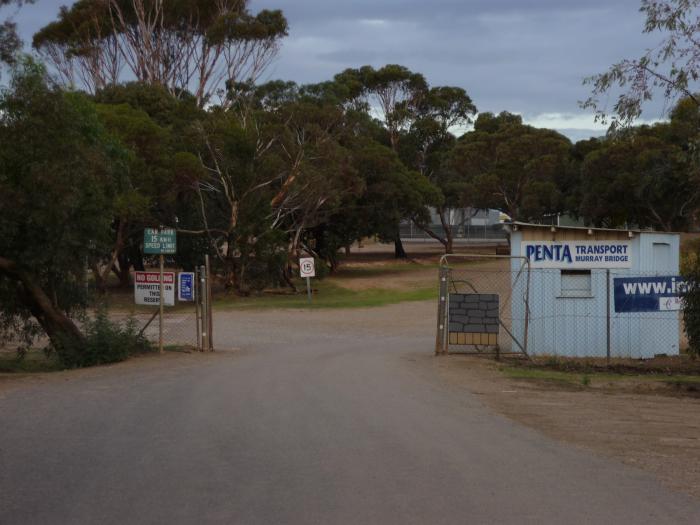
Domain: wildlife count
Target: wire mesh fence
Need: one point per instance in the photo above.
(179, 326)
(483, 304)
(187, 322)
(605, 314)
(492, 232)
(499, 304)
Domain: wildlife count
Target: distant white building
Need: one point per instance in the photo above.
(465, 222)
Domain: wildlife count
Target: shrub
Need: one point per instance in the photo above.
(106, 341)
(691, 308)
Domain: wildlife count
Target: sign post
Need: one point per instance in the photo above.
(160, 324)
(160, 242)
(307, 269)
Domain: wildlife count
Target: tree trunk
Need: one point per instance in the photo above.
(449, 249)
(100, 280)
(399, 252)
(447, 228)
(122, 272)
(59, 328)
(230, 281)
(287, 276)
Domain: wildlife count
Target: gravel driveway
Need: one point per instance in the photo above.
(326, 417)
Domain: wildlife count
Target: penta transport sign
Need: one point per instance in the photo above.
(577, 254)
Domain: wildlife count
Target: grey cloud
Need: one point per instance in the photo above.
(522, 56)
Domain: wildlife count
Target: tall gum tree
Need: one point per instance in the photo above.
(425, 146)
(189, 46)
(671, 68)
(394, 93)
(57, 179)
(507, 165)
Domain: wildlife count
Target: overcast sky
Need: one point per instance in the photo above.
(523, 56)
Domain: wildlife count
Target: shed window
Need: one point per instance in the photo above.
(662, 256)
(576, 283)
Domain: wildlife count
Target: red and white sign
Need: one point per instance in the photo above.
(307, 267)
(147, 288)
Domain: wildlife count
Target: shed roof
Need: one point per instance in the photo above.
(585, 228)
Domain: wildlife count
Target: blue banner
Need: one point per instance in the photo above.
(648, 294)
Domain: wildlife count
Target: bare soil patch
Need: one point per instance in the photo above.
(640, 423)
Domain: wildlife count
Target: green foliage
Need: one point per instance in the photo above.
(669, 68)
(640, 179)
(643, 176)
(181, 45)
(507, 165)
(691, 307)
(106, 342)
(59, 171)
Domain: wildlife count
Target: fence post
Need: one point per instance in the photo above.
(607, 315)
(441, 317)
(210, 321)
(197, 310)
(527, 308)
(203, 306)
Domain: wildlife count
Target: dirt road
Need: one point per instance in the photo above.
(305, 417)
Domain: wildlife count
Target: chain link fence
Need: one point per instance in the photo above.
(483, 304)
(179, 325)
(500, 305)
(605, 314)
(490, 232)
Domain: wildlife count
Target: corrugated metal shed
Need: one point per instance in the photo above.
(574, 322)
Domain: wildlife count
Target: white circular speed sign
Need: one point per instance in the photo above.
(306, 267)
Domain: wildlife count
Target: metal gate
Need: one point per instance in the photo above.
(483, 304)
(190, 324)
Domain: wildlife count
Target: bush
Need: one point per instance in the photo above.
(105, 342)
(691, 308)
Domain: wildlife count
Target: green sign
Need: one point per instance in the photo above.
(159, 241)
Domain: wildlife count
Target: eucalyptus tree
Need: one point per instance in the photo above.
(192, 46)
(425, 147)
(10, 42)
(58, 176)
(510, 166)
(646, 175)
(672, 67)
(393, 94)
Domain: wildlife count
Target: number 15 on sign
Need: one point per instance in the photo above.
(307, 269)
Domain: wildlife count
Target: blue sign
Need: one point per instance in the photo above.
(648, 294)
(185, 289)
(577, 254)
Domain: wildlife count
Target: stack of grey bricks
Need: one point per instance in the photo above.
(474, 313)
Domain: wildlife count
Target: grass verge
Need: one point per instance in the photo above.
(33, 362)
(596, 378)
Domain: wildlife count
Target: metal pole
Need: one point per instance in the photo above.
(160, 327)
(607, 314)
(210, 320)
(527, 308)
(197, 312)
(441, 321)
(203, 306)
(308, 288)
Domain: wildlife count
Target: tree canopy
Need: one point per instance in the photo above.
(59, 173)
